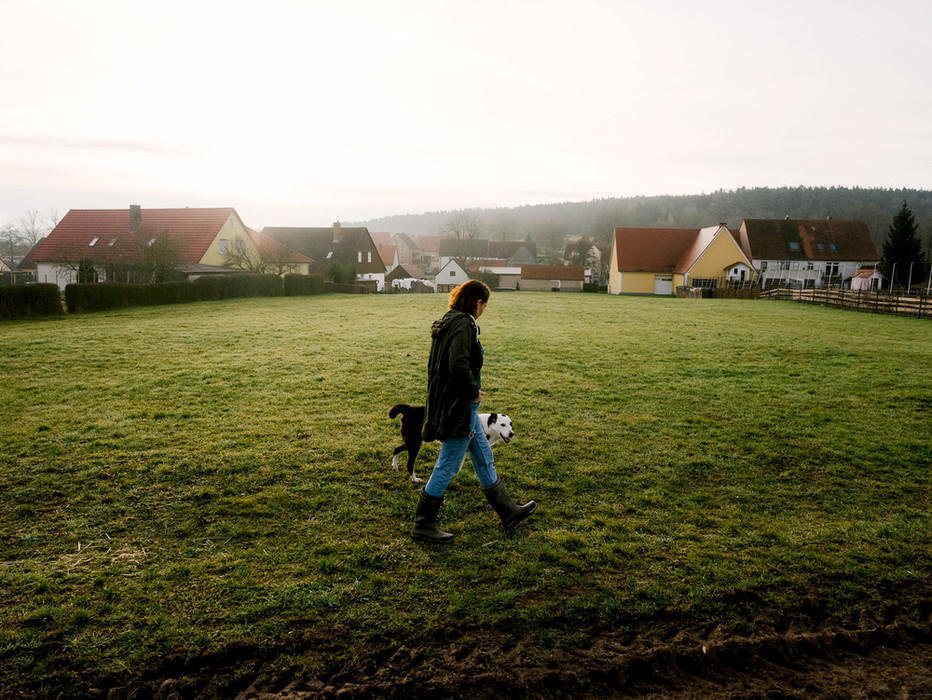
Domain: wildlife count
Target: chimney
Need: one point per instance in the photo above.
(336, 232)
(135, 217)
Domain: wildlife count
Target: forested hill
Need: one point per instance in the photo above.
(550, 224)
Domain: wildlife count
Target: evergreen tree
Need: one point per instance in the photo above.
(903, 249)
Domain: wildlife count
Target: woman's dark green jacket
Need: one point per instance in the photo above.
(453, 376)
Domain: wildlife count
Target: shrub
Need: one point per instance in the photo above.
(303, 285)
(30, 300)
(238, 286)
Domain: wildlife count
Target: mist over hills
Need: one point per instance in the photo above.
(550, 225)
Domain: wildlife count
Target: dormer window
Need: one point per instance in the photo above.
(93, 241)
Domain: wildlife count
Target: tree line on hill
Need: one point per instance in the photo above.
(550, 226)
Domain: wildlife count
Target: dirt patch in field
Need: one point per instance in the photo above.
(882, 654)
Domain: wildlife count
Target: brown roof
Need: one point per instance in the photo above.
(553, 272)
(276, 249)
(652, 249)
(72, 238)
(405, 272)
(808, 239)
(318, 243)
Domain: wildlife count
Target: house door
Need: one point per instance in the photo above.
(663, 284)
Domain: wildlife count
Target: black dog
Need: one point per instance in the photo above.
(496, 426)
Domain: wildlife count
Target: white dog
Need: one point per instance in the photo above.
(496, 426)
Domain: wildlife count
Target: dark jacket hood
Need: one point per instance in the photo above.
(449, 319)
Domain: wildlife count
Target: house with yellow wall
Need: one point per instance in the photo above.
(655, 261)
(108, 244)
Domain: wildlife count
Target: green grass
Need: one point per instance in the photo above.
(178, 480)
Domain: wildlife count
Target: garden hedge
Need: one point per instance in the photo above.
(30, 300)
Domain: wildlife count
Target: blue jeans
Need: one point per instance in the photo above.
(453, 452)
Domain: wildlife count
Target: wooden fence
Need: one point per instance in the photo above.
(919, 306)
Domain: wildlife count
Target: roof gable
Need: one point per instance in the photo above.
(704, 240)
(453, 263)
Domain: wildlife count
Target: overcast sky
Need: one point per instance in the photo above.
(304, 112)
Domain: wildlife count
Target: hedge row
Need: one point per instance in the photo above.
(303, 285)
(100, 297)
(30, 300)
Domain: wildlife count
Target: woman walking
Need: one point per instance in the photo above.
(452, 416)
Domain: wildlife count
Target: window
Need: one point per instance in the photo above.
(359, 256)
(794, 245)
(151, 241)
(329, 255)
(831, 247)
(112, 241)
(94, 240)
(224, 246)
(820, 247)
(452, 273)
(240, 248)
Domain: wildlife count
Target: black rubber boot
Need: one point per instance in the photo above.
(510, 513)
(425, 520)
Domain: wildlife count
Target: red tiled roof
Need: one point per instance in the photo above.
(71, 239)
(553, 272)
(652, 249)
(386, 252)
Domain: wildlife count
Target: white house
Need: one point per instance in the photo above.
(451, 275)
(867, 278)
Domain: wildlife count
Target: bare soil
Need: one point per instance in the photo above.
(883, 653)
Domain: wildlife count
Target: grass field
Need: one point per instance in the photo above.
(178, 481)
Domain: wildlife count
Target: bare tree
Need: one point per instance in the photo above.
(33, 227)
(550, 236)
(462, 228)
(144, 256)
(266, 256)
(10, 244)
(241, 256)
(503, 228)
